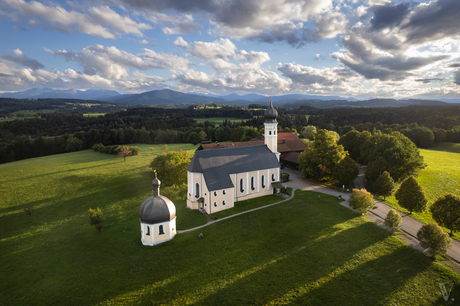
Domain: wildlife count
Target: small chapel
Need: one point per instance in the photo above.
(158, 217)
(218, 178)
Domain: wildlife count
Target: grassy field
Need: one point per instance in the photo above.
(447, 146)
(307, 251)
(441, 176)
(94, 115)
(218, 120)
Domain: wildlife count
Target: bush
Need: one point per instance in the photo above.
(393, 220)
(285, 177)
(432, 237)
(96, 218)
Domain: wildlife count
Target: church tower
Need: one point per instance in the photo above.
(271, 126)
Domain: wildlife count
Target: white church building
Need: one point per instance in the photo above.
(218, 178)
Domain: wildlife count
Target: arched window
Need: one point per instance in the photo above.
(161, 230)
(223, 202)
(273, 177)
(224, 192)
(253, 183)
(215, 193)
(147, 230)
(197, 191)
(263, 181)
(274, 132)
(215, 204)
(270, 132)
(242, 185)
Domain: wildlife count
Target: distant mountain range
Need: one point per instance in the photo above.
(170, 97)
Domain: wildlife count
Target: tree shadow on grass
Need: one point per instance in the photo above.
(53, 210)
(374, 282)
(284, 266)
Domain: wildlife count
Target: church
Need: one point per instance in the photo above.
(218, 178)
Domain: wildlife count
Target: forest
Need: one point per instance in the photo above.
(61, 132)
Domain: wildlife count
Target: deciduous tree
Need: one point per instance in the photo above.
(172, 167)
(384, 185)
(411, 195)
(432, 237)
(321, 156)
(446, 212)
(124, 152)
(393, 220)
(362, 200)
(346, 171)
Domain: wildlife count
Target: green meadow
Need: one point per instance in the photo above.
(308, 250)
(94, 114)
(441, 176)
(219, 120)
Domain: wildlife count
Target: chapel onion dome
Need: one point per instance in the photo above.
(270, 113)
(157, 208)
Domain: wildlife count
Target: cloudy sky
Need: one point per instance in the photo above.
(351, 48)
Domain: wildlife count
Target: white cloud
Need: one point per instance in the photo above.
(99, 21)
(113, 63)
(180, 42)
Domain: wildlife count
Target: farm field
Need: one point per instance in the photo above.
(93, 114)
(441, 176)
(306, 251)
(218, 120)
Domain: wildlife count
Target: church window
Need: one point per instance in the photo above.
(263, 181)
(197, 191)
(274, 132)
(215, 204)
(270, 132)
(215, 193)
(161, 230)
(224, 192)
(223, 202)
(147, 230)
(242, 185)
(253, 184)
(273, 177)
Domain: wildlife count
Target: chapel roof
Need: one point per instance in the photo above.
(217, 165)
(157, 208)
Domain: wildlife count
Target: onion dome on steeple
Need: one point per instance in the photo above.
(270, 113)
(157, 208)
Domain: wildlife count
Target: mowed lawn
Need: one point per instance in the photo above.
(441, 176)
(308, 251)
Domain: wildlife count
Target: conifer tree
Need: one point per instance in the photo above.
(446, 212)
(384, 185)
(411, 195)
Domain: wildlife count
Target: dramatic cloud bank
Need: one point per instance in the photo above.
(342, 47)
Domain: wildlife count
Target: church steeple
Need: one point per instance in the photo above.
(270, 113)
(271, 126)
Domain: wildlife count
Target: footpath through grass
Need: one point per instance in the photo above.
(441, 176)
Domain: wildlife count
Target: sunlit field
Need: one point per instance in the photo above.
(441, 176)
(309, 250)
